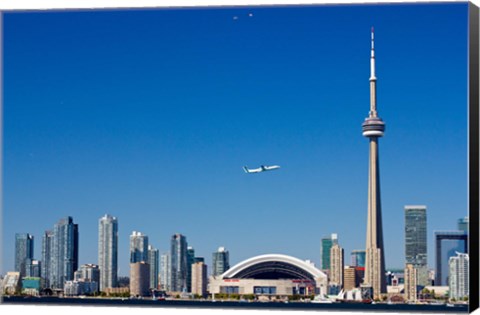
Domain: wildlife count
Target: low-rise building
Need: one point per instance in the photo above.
(117, 291)
(75, 288)
(12, 283)
(31, 285)
(86, 277)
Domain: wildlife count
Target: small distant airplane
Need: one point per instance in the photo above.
(262, 168)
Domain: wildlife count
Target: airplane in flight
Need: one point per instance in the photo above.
(262, 168)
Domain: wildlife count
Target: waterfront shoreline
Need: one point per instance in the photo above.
(118, 302)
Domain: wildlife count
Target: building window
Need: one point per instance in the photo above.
(265, 290)
(229, 289)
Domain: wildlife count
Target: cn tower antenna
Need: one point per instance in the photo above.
(372, 58)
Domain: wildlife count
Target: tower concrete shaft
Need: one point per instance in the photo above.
(373, 128)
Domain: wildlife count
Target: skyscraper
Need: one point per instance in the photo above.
(336, 265)
(165, 273)
(138, 247)
(327, 243)
(220, 261)
(153, 262)
(459, 276)
(416, 241)
(108, 251)
(447, 244)
(373, 128)
(23, 252)
(62, 243)
(358, 258)
(190, 262)
(178, 254)
(47, 244)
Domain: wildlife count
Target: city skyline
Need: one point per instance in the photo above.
(191, 258)
(177, 158)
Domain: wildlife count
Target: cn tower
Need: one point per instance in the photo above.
(373, 128)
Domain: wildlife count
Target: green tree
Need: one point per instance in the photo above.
(294, 297)
(249, 296)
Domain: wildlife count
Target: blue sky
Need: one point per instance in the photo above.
(149, 116)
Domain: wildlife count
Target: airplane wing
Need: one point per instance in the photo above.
(252, 170)
(269, 168)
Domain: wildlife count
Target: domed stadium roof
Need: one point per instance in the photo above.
(273, 266)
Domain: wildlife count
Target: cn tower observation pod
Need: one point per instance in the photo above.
(271, 274)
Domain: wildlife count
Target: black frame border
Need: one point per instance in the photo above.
(473, 188)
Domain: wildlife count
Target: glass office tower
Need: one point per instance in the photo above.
(23, 252)
(416, 241)
(178, 256)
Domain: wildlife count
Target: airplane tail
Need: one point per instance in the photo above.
(245, 169)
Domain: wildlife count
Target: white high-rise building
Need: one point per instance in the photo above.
(108, 251)
(459, 276)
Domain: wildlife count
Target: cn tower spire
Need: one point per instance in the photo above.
(373, 80)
